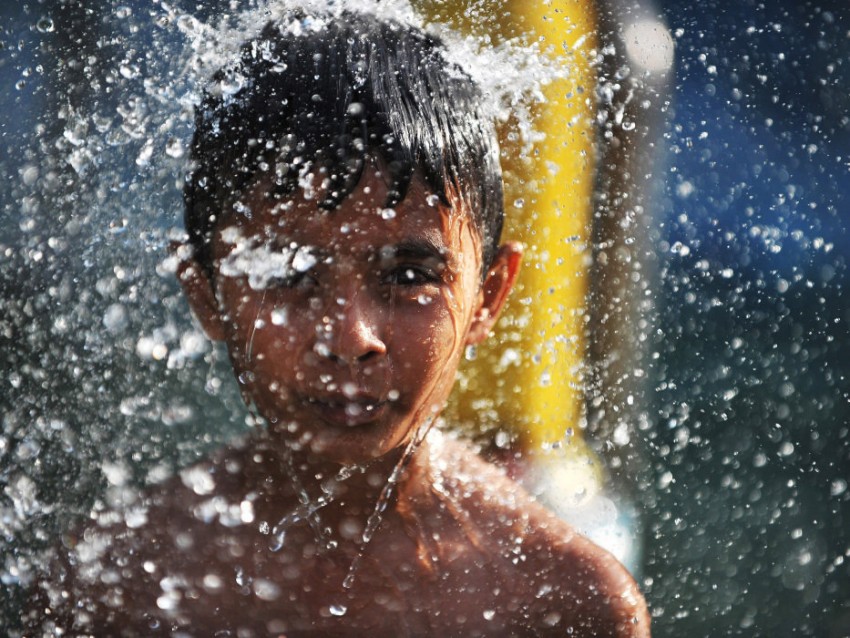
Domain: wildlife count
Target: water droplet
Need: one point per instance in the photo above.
(552, 619)
(338, 610)
(241, 579)
(471, 353)
(277, 542)
(388, 213)
(212, 583)
(198, 480)
(488, 614)
(174, 148)
(129, 71)
(169, 601)
(231, 83)
(353, 409)
(115, 319)
(280, 316)
(29, 174)
(145, 154)
(303, 259)
(45, 25)
(266, 590)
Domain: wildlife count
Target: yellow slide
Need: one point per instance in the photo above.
(535, 372)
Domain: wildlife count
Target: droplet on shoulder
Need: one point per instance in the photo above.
(552, 619)
(338, 610)
(266, 590)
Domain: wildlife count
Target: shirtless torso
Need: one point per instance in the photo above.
(460, 551)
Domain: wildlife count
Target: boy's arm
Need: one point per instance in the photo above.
(580, 585)
(96, 595)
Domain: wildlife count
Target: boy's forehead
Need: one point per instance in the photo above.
(361, 218)
(341, 232)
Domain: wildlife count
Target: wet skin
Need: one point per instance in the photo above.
(462, 551)
(363, 362)
(350, 356)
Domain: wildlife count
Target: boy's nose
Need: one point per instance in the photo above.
(356, 331)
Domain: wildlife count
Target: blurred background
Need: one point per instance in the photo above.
(750, 445)
(727, 123)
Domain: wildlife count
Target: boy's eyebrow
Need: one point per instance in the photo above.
(420, 248)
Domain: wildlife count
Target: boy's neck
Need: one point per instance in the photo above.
(345, 499)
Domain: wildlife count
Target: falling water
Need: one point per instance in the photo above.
(106, 369)
(376, 517)
(107, 386)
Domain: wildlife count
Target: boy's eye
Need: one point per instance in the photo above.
(411, 275)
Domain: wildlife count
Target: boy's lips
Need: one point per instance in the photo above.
(349, 412)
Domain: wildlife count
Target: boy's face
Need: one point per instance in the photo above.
(346, 327)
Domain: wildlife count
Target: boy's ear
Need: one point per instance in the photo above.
(497, 285)
(199, 291)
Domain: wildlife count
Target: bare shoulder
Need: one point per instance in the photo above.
(120, 559)
(566, 579)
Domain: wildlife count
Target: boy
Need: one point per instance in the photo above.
(343, 215)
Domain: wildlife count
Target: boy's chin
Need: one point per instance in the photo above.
(340, 448)
(344, 451)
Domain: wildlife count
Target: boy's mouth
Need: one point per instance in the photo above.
(339, 410)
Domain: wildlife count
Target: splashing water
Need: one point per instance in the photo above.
(306, 510)
(511, 74)
(376, 517)
(148, 354)
(262, 264)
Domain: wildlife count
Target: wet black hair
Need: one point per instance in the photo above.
(329, 92)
